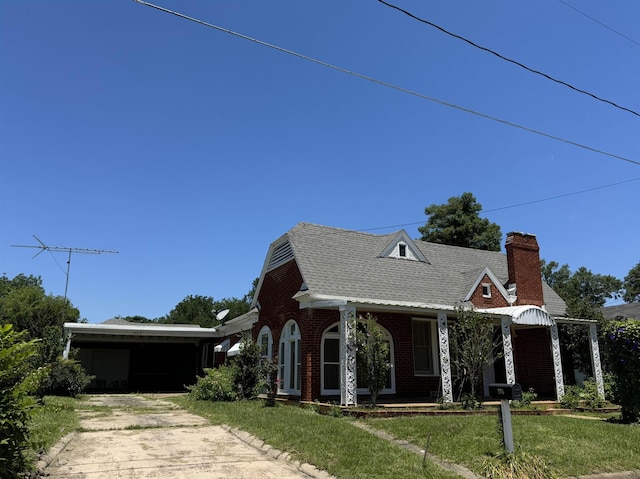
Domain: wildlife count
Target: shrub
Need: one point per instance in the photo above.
(373, 354)
(217, 385)
(527, 398)
(470, 401)
(17, 381)
(571, 398)
(66, 377)
(622, 340)
(591, 396)
(250, 378)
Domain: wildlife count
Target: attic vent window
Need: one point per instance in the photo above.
(486, 290)
(280, 255)
(402, 250)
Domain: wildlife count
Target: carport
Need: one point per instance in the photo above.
(126, 356)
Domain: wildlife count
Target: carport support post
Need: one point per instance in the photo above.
(67, 347)
(595, 359)
(508, 350)
(507, 429)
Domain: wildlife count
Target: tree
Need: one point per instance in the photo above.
(196, 309)
(584, 293)
(473, 347)
(458, 223)
(632, 285)
(25, 305)
(373, 354)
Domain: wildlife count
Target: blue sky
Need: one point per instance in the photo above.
(189, 150)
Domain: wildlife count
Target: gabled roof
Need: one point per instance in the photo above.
(624, 311)
(337, 263)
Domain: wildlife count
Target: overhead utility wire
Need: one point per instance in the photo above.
(519, 204)
(502, 57)
(600, 23)
(388, 85)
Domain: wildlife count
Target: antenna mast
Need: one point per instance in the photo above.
(43, 247)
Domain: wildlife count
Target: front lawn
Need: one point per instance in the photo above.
(570, 445)
(329, 443)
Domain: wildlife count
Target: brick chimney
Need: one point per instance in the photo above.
(523, 259)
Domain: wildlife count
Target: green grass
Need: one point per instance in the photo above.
(571, 446)
(329, 443)
(52, 420)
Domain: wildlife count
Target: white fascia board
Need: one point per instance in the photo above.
(239, 324)
(320, 301)
(137, 330)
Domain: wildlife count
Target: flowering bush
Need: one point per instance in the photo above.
(623, 345)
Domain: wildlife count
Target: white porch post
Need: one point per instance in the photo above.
(348, 380)
(557, 361)
(67, 347)
(508, 351)
(445, 358)
(595, 358)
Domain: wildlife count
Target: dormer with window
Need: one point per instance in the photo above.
(403, 247)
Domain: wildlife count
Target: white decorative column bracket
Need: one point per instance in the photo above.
(445, 358)
(348, 364)
(557, 361)
(508, 351)
(595, 359)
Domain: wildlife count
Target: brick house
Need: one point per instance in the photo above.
(316, 279)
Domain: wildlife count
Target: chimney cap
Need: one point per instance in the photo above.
(519, 233)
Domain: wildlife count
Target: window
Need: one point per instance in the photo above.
(330, 350)
(289, 357)
(486, 290)
(424, 347)
(266, 342)
(402, 250)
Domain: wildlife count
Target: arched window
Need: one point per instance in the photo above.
(265, 340)
(330, 358)
(289, 357)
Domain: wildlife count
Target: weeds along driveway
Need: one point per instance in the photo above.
(131, 436)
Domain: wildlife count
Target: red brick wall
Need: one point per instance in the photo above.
(523, 259)
(495, 301)
(534, 361)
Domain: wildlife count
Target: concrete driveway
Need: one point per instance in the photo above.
(131, 436)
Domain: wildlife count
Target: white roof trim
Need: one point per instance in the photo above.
(525, 315)
(223, 347)
(235, 349)
(413, 252)
(312, 300)
(140, 330)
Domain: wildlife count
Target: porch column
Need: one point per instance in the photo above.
(348, 381)
(595, 358)
(508, 351)
(557, 361)
(445, 359)
(67, 347)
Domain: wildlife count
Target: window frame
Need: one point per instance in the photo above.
(435, 356)
(289, 348)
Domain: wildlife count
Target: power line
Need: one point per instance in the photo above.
(517, 205)
(388, 85)
(502, 57)
(599, 22)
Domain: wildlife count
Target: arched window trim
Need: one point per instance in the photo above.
(265, 336)
(336, 335)
(289, 359)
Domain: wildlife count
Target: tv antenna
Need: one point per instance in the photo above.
(66, 249)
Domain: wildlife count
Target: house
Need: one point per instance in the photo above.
(622, 311)
(316, 280)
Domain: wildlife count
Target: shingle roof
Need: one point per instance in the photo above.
(337, 262)
(631, 310)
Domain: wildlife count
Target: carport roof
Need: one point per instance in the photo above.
(131, 329)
